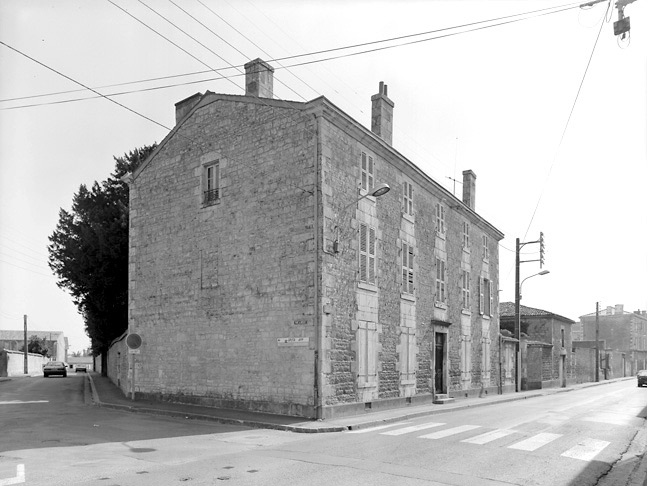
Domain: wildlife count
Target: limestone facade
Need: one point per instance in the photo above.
(263, 274)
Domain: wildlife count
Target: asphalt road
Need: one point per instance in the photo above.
(50, 436)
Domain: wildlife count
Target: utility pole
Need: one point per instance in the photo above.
(621, 26)
(596, 341)
(518, 346)
(518, 356)
(25, 342)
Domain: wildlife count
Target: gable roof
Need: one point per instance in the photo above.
(507, 309)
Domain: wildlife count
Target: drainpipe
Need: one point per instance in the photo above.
(318, 321)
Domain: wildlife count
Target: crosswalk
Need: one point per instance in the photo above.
(585, 450)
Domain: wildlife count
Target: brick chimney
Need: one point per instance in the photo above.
(469, 179)
(382, 114)
(259, 80)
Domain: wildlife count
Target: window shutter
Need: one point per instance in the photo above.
(363, 253)
(411, 269)
(490, 301)
(405, 198)
(481, 295)
(405, 277)
(371, 171)
(371, 255)
(442, 280)
(411, 200)
(363, 171)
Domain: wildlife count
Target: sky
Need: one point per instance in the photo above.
(540, 99)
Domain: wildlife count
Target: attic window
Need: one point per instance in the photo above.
(211, 184)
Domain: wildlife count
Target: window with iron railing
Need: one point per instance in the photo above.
(211, 184)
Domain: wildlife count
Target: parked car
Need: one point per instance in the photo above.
(55, 368)
(81, 367)
(641, 378)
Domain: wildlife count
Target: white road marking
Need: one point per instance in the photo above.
(535, 442)
(449, 432)
(413, 428)
(586, 450)
(373, 429)
(19, 478)
(489, 436)
(610, 418)
(20, 402)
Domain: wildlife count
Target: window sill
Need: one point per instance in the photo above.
(409, 297)
(364, 194)
(441, 305)
(466, 312)
(367, 286)
(440, 234)
(485, 317)
(210, 204)
(408, 217)
(466, 249)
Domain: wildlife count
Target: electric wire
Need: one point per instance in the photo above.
(278, 59)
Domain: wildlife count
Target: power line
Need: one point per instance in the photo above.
(277, 60)
(83, 85)
(567, 123)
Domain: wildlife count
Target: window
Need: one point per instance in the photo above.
(211, 184)
(440, 219)
(367, 172)
(408, 198)
(407, 268)
(485, 296)
(484, 240)
(563, 338)
(465, 289)
(465, 237)
(440, 281)
(366, 254)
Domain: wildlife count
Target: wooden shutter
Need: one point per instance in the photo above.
(363, 252)
(371, 255)
(481, 295)
(490, 298)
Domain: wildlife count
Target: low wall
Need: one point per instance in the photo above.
(118, 363)
(12, 363)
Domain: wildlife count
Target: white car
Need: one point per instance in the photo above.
(81, 367)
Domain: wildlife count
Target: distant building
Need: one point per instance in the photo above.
(625, 339)
(264, 275)
(546, 343)
(56, 342)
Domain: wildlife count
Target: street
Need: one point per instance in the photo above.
(51, 436)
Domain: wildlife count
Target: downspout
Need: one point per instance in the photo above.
(318, 321)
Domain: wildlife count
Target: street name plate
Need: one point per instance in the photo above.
(299, 341)
(134, 351)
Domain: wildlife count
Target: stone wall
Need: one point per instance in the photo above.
(213, 288)
(13, 363)
(403, 339)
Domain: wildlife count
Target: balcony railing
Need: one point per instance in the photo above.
(210, 197)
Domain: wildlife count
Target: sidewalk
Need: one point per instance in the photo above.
(105, 394)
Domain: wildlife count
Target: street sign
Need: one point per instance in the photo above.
(134, 341)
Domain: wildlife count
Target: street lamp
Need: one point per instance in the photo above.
(377, 191)
(518, 296)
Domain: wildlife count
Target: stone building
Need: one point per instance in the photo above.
(624, 335)
(547, 344)
(264, 274)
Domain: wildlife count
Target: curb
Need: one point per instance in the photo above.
(328, 429)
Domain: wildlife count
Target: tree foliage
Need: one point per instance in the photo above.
(89, 251)
(37, 346)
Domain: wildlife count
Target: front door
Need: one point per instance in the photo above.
(439, 354)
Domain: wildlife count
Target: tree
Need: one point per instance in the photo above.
(37, 346)
(89, 252)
